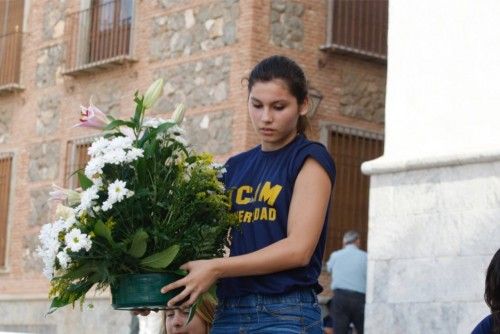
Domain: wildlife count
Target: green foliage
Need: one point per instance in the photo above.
(139, 244)
(162, 259)
(85, 182)
(179, 212)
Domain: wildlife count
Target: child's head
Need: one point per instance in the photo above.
(286, 70)
(492, 284)
(175, 319)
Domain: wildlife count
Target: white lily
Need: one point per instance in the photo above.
(153, 93)
(178, 114)
(62, 194)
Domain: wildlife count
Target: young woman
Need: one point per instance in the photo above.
(491, 324)
(281, 193)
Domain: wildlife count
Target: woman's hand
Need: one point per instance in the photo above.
(202, 274)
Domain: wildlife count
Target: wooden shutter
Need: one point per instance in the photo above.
(11, 22)
(349, 209)
(77, 159)
(5, 176)
(110, 28)
(11, 16)
(359, 27)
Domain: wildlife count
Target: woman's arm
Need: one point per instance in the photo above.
(310, 200)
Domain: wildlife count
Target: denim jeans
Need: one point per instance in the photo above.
(294, 312)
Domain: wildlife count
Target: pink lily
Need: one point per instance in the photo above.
(92, 117)
(59, 194)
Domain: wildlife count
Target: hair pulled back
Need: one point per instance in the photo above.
(287, 70)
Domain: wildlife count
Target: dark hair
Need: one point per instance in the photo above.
(492, 290)
(283, 68)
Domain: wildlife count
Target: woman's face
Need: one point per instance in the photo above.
(176, 319)
(274, 112)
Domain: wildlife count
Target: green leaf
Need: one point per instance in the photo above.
(79, 272)
(162, 259)
(57, 302)
(85, 182)
(208, 295)
(139, 110)
(181, 272)
(73, 293)
(118, 122)
(192, 311)
(165, 126)
(101, 230)
(139, 244)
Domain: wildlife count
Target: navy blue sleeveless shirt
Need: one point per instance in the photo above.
(262, 184)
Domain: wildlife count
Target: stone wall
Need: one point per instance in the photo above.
(362, 96)
(194, 30)
(44, 157)
(32, 263)
(53, 19)
(39, 206)
(100, 319)
(195, 84)
(49, 66)
(48, 115)
(5, 122)
(106, 96)
(432, 234)
(287, 26)
(209, 132)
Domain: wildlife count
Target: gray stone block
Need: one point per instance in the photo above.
(200, 83)
(210, 132)
(44, 160)
(49, 64)
(39, 207)
(53, 19)
(48, 115)
(202, 28)
(5, 123)
(287, 27)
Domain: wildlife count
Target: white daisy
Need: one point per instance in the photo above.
(117, 191)
(88, 197)
(98, 147)
(76, 240)
(63, 259)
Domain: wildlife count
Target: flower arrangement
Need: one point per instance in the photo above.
(147, 203)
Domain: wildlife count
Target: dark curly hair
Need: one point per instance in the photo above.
(492, 290)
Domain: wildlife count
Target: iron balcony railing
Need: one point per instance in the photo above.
(10, 58)
(98, 35)
(358, 27)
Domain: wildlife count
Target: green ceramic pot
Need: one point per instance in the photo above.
(135, 291)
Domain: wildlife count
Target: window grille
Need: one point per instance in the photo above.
(358, 27)
(349, 208)
(5, 180)
(99, 36)
(11, 21)
(77, 158)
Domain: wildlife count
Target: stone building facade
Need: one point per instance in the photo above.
(435, 194)
(203, 49)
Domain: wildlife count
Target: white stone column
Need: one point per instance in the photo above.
(434, 218)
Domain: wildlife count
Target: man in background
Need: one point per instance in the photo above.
(348, 269)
